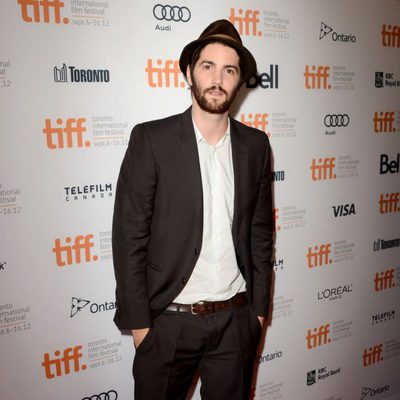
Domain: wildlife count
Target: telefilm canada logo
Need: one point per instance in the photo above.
(65, 74)
(88, 192)
(386, 79)
(326, 31)
(383, 317)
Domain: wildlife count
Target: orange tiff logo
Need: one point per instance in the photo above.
(275, 216)
(246, 21)
(384, 122)
(69, 253)
(372, 355)
(64, 135)
(318, 336)
(384, 280)
(389, 203)
(258, 121)
(61, 365)
(390, 35)
(41, 10)
(323, 169)
(165, 74)
(319, 256)
(317, 77)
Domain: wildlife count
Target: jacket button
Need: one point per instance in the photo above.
(183, 281)
(196, 251)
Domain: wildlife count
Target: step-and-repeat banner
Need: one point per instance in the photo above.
(76, 76)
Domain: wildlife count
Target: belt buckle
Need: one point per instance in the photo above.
(200, 303)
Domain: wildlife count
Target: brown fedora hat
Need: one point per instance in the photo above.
(224, 32)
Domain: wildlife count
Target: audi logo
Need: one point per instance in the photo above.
(110, 395)
(171, 13)
(336, 120)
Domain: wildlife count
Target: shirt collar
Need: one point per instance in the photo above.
(200, 137)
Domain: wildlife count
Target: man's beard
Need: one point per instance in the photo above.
(213, 106)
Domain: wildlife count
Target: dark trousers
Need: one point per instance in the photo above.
(220, 346)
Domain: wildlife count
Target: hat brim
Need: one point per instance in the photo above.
(248, 62)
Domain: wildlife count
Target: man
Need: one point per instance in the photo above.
(192, 233)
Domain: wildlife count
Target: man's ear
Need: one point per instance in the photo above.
(188, 75)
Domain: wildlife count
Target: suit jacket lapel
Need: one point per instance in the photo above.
(191, 162)
(240, 166)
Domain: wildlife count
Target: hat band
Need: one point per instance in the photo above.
(222, 36)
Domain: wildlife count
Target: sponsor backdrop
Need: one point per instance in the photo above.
(76, 76)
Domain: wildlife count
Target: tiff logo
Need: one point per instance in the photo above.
(63, 136)
(320, 256)
(42, 9)
(323, 169)
(372, 355)
(275, 213)
(258, 121)
(166, 74)
(58, 366)
(319, 336)
(246, 24)
(388, 203)
(390, 35)
(384, 122)
(384, 280)
(317, 77)
(68, 253)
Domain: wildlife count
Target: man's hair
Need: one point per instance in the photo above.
(197, 53)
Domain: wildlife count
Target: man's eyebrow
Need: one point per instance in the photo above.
(225, 66)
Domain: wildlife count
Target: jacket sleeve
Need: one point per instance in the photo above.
(262, 238)
(133, 209)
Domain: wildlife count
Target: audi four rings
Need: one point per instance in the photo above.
(336, 120)
(171, 13)
(110, 395)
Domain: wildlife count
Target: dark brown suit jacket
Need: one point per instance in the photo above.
(158, 217)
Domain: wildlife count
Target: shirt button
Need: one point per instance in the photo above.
(183, 281)
(196, 251)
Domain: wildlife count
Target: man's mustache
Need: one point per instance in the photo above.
(219, 88)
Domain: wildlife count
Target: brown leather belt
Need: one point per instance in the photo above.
(208, 307)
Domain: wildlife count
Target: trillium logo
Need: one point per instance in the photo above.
(77, 305)
(324, 30)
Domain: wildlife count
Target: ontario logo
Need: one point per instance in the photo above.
(78, 304)
(76, 75)
(367, 392)
(327, 31)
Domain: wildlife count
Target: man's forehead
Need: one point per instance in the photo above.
(219, 52)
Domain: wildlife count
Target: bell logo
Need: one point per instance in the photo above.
(246, 21)
(389, 203)
(58, 366)
(166, 74)
(384, 122)
(390, 35)
(65, 136)
(275, 219)
(384, 280)
(258, 121)
(42, 7)
(319, 336)
(372, 355)
(72, 253)
(320, 256)
(317, 77)
(323, 169)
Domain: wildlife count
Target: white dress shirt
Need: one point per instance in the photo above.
(216, 275)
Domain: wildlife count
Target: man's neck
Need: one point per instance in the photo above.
(212, 126)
